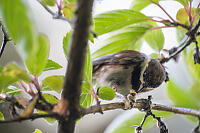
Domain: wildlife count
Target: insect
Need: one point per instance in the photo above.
(129, 72)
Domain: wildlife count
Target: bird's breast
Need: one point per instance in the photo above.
(116, 76)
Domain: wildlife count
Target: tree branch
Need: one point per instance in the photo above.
(69, 104)
(192, 33)
(113, 106)
(33, 117)
(139, 105)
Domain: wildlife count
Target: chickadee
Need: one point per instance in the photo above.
(129, 72)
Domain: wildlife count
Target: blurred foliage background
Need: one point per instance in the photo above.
(116, 30)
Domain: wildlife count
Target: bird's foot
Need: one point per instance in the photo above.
(130, 100)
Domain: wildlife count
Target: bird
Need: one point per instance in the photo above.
(129, 73)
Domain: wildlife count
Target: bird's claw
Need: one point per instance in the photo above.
(129, 101)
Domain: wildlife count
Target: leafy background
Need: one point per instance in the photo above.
(125, 35)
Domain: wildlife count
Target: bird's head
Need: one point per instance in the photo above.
(154, 74)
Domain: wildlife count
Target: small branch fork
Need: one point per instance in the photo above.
(161, 124)
(147, 109)
(196, 129)
(57, 15)
(191, 37)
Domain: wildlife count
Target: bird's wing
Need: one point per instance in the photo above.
(126, 57)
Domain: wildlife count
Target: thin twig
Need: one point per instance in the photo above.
(178, 51)
(161, 124)
(139, 128)
(181, 25)
(183, 41)
(196, 129)
(198, 5)
(33, 117)
(5, 39)
(163, 10)
(190, 15)
(192, 33)
(168, 23)
(56, 15)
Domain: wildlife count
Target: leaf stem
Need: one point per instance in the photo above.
(163, 10)
(198, 5)
(190, 10)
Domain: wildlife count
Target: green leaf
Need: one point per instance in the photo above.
(181, 97)
(54, 82)
(48, 119)
(156, 1)
(86, 97)
(1, 69)
(183, 17)
(91, 37)
(126, 126)
(37, 60)
(15, 71)
(1, 116)
(117, 19)
(11, 74)
(155, 39)
(66, 44)
(50, 98)
(52, 65)
(68, 8)
(18, 24)
(48, 2)
(106, 93)
(37, 131)
(124, 39)
(138, 5)
(12, 90)
(88, 66)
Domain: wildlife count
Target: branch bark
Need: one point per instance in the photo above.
(32, 117)
(69, 104)
(139, 105)
(111, 106)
